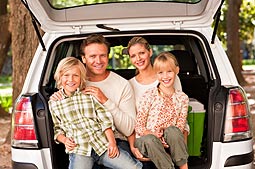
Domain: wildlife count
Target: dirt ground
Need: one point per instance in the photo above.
(5, 149)
(5, 152)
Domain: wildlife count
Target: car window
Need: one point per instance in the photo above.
(187, 50)
(72, 3)
(119, 58)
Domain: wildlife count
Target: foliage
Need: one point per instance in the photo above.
(247, 22)
(248, 62)
(118, 58)
(6, 102)
(5, 99)
(5, 79)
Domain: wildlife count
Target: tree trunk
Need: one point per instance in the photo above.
(233, 41)
(24, 43)
(5, 40)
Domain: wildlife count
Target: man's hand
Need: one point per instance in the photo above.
(95, 91)
(57, 96)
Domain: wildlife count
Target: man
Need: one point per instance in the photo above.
(111, 90)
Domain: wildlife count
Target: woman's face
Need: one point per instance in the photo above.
(140, 56)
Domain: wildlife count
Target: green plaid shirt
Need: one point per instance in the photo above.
(84, 119)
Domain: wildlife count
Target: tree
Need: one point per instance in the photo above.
(233, 40)
(5, 39)
(245, 31)
(24, 42)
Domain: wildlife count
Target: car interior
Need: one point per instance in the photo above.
(194, 74)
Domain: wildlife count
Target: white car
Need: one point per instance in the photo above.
(220, 129)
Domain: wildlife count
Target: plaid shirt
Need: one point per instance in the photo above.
(84, 119)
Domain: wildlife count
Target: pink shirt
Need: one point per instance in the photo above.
(156, 111)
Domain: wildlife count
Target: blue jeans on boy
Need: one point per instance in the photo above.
(123, 161)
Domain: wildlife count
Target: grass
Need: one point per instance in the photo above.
(5, 79)
(6, 96)
(248, 61)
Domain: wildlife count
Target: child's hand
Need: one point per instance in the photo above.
(164, 142)
(159, 133)
(69, 144)
(113, 151)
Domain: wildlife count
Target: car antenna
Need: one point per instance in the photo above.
(35, 22)
(217, 20)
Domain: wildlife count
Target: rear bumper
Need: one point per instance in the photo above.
(239, 160)
(18, 165)
(232, 155)
(31, 158)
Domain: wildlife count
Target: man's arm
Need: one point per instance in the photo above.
(124, 115)
(123, 112)
(57, 96)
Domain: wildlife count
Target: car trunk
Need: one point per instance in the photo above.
(195, 75)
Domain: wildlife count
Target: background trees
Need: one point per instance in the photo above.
(5, 39)
(233, 40)
(236, 29)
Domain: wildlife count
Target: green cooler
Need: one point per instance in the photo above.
(196, 123)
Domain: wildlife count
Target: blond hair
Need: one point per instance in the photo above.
(163, 58)
(138, 40)
(66, 64)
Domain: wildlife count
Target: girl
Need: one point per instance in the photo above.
(161, 117)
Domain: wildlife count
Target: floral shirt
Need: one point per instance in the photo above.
(157, 111)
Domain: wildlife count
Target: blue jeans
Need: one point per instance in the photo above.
(123, 161)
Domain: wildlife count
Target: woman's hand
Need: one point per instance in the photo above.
(136, 152)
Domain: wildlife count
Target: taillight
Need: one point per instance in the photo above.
(237, 122)
(23, 130)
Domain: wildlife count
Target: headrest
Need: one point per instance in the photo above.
(186, 61)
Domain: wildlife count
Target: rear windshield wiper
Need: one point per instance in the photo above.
(102, 26)
(217, 20)
(35, 22)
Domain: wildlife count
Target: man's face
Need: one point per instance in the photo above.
(96, 59)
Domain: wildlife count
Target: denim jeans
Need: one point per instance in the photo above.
(77, 161)
(123, 161)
